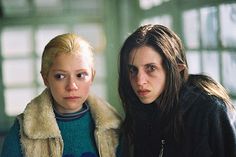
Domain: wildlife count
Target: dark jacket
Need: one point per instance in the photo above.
(209, 129)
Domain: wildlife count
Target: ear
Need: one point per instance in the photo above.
(181, 67)
(93, 74)
(45, 79)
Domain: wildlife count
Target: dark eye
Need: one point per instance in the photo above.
(59, 76)
(82, 75)
(151, 68)
(132, 70)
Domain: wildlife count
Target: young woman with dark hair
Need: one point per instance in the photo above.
(169, 112)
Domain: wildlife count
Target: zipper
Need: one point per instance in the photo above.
(163, 142)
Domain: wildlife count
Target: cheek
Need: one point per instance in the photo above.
(162, 82)
(52, 84)
(85, 86)
(56, 88)
(132, 82)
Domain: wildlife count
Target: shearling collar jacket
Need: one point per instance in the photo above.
(40, 134)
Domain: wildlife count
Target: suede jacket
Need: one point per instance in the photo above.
(40, 134)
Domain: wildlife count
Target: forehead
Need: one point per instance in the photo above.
(144, 55)
(75, 59)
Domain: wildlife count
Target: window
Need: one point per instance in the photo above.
(208, 31)
(18, 67)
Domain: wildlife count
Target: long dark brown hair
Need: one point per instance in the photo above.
(169, 46)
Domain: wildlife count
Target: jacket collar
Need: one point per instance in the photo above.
(39, 120)
(103, 114)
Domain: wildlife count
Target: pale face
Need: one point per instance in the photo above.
(146, 74)
(69, 80)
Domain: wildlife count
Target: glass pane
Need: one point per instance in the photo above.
(88, 5)
(93, 33)
(211, 64)
(47, 3)
(45, 33)
(16, 100)
(99, 89)
(15, 7)
(228, 24)
(17, 72)
(100, 66)
(43, 6)
(234, 102)
(191, 29)
(194, 62)
(39, 77)
(165, 20)
(209, 27)
(16, 41)
(229, 71)
(147, 4)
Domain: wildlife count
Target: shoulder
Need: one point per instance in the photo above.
(195, 91)
(11, 145)
(210, 108)
(211, 102)
(199, 103)
(205, 90)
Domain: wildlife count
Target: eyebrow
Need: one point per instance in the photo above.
(65, 71)
(152, 63)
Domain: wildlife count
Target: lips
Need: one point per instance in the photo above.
(143, 92)
(71, 97)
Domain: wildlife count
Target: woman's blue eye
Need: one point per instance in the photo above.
(59, 76)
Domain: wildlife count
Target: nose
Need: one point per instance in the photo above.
(141, 78)
(71, 84)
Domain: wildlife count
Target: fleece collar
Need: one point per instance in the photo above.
(39, 120)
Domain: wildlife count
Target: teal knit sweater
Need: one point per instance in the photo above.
(76, 131)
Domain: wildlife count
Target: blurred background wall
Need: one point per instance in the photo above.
(206, 27)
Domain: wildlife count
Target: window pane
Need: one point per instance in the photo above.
(234, 102)
(100, 66)
(99, 89)
(39, 77)
(15, 7)
(17, 72)
(211, 64)
(86, 5)
(16, 41)
(191, 28)
(45, 33)
(193, 59)
(45, 6)
(209, 27)
(147, 4)
(229, 71)
(47, 3)
(165, 20)
(228, 24)
(16, 100)
(93, 33)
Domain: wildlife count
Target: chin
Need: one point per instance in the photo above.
(146, 102)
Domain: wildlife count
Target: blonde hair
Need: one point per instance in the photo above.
(65, 43)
